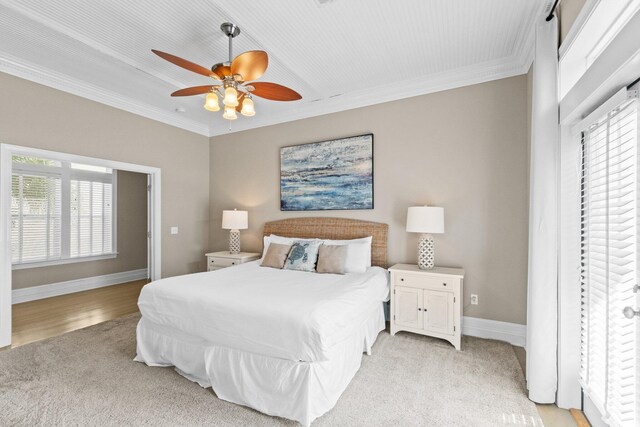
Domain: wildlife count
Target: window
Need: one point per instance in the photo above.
(35, 218)
(606, 19)
(609, 341)
(60, 211)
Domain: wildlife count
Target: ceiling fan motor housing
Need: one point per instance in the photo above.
(229, 29)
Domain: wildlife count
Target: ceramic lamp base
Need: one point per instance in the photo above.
(426, 253)
(234, 241)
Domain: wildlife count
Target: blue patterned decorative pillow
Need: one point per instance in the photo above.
(303, 256)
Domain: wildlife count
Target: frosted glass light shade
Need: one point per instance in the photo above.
(235, 220)
(211, 102)
(425, 219)
(230, 113)
(230, 97)
(248, 108)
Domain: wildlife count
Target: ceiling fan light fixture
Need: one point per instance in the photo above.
(230, 113)
(233, 80)
(230, 96)
(248, 108)
(211, 102)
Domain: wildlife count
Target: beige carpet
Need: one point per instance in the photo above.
(87, 377)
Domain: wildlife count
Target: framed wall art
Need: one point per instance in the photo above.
(328, 175)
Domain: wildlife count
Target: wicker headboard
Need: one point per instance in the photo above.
(335, 228)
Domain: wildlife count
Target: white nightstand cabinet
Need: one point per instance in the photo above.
(218, 260)
(427, 302)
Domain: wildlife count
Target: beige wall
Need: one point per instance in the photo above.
(131, 240)
(529, 110)
(568, 11)
(33, 115)
(463, 149)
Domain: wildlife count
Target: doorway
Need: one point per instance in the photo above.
(7, 153)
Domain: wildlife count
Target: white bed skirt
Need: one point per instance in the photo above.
(300, 391)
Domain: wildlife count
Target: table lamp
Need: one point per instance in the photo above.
(425, 220)
(235, 221)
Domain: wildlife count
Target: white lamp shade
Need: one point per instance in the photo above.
(425, 219)
(235, 220)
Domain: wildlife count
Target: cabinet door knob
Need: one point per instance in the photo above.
(444, 284)
(419, 309)
(402, 280)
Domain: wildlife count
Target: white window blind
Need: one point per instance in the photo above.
(91, 218)
(60, 211)
(610, 350)
(35, 218)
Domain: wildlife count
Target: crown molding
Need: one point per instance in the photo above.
(481, 73)
(514, 65)
(53, 79)
(526, 47)
(47, 22)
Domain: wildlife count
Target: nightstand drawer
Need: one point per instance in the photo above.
(222, 262)
(424, 282)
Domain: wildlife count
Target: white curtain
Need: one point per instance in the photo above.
(542, 301)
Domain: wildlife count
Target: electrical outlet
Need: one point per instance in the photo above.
(174, 230)
(474, 299)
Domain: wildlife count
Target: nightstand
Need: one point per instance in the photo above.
(218, 260)
(427, 302)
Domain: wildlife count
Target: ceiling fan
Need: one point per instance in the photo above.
(233, 80)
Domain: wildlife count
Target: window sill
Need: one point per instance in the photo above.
(26, 265)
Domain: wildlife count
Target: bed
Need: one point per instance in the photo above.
(286, 343)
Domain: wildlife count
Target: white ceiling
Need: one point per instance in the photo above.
(338, 54)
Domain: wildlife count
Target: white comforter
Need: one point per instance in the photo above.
(287, 314)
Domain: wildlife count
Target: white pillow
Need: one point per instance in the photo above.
(363, 244)
(358, 254)
(265, 245)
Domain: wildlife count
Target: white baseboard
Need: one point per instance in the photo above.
(513, 333)
(62, 288)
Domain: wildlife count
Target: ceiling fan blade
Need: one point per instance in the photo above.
(250, 65)
(195, 90)
(187, 65)
(274, 92)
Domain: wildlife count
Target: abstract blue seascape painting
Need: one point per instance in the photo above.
(328, 175)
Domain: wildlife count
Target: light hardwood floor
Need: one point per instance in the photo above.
(36, 320)
(50, 317)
